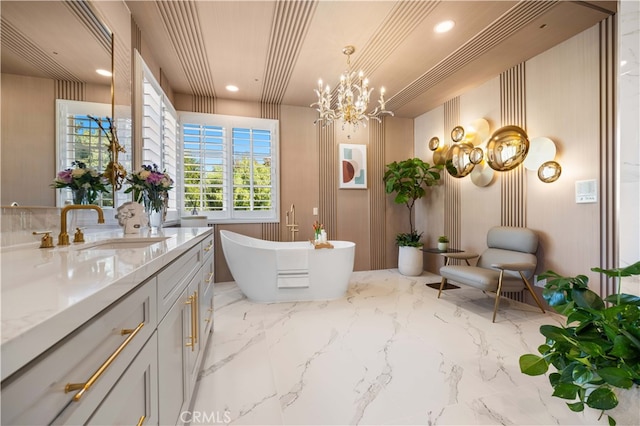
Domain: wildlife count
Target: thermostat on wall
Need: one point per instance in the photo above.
(586, 191)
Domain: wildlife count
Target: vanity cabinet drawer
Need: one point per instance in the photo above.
(207, 246)
(173, 280)
(134, 399)
(93, 357)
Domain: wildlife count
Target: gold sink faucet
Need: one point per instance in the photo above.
(63, 238)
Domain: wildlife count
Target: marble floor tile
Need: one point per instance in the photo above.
(389, 352)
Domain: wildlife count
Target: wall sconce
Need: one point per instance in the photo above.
(549, 171)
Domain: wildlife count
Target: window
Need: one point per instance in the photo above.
(79, 138)
(230, 167)
(159, 131)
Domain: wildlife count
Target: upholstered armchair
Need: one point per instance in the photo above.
(505, 266)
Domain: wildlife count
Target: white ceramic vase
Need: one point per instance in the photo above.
(410, 261)
(443, 246)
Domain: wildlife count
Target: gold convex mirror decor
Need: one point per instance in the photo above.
(434, 143)
(549, 171)
(458, 163)
(507, 148)
(457, 134)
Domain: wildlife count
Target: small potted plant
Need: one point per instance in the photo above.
(408, 179)
(597, 354)
(443, 243)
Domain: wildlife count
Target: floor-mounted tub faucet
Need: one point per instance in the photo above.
(291, 222)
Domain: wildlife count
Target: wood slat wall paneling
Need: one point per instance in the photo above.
(71, 90)
(328, 171)
(513, 112)
(271, 231)
(513, 183)
(203, 104)
(452, 198)
(377, 195)
(609, 256)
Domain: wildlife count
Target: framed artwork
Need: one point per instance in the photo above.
(353, 166)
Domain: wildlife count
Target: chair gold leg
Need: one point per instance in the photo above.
(442, 284)
(533, 293)
(498, 291)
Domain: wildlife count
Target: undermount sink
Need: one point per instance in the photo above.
(123, 243)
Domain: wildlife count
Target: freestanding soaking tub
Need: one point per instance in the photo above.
(270, 271)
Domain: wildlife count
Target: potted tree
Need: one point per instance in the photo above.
(408, 180)
(598, 353)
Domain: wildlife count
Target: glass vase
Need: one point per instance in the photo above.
(154, 208)
(80, 196)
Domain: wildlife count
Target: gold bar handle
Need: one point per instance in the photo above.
(191, 343)
(208, 280)
(208, 248)
(196, 314)
(70, 387)
(141, 421)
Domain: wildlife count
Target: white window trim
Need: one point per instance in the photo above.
(64, 108)
(229, 122)
(144, 73)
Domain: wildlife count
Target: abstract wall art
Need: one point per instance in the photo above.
(353, 166)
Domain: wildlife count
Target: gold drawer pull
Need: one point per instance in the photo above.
(141, 421)
(208, 280)
(207, 248)
(194, 317)
(190, 301)
(70, 387)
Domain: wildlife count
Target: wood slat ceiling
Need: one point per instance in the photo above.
(275, 51)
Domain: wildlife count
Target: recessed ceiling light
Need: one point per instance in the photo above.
(231, 88)
(444, 26)
(104, 72)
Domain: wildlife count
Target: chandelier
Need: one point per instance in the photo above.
(353, 99)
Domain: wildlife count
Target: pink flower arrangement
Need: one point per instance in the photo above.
(151, 186)
(81, 178)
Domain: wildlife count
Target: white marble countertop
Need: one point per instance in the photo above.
(48, 293)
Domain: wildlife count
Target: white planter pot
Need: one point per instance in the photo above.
(410, 261)
(443, 246)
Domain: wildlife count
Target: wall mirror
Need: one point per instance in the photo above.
(50, 50)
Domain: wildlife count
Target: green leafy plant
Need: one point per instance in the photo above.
(409, 240)
(408, 179)
(598, 350)
(443, 239)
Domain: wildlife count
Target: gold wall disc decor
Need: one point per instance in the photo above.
(507, 148)
(541, 150)
(482, 174)
(457, 162)
(477, 132)
(440, 155)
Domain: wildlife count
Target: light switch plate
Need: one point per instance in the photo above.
(586, 191)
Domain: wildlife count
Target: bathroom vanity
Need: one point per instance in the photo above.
(111, 331)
